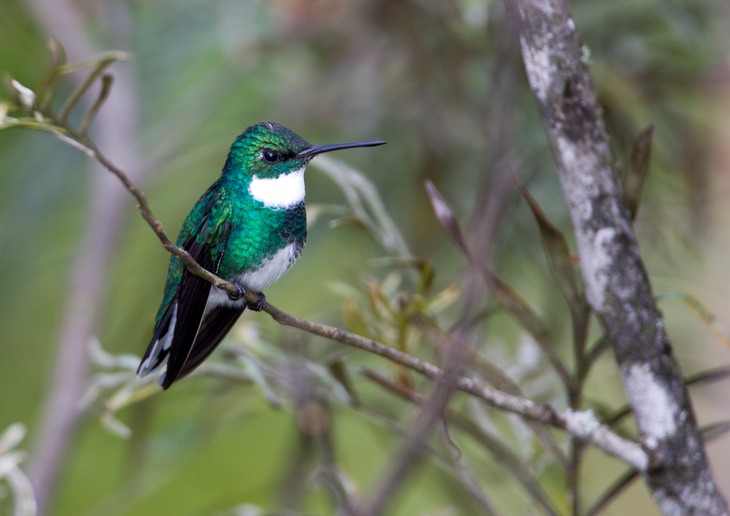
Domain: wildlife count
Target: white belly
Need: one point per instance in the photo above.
(260, 279)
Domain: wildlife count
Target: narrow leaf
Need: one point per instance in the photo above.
(557, 252)
(47, 86)
(711, 375)
(561, 266)
(78, 92)
(446, 218)
(11, 437)
(106, 84)
(633, 181)
(503, 293)
(427, 275)
(97, 66)
(707, 316)
(339, 373)
(104, 59)
(366, 206)
(714, 431)
(354, 317)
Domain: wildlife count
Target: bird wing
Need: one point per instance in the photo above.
(207, 246)
(189, 307)
(204, 235)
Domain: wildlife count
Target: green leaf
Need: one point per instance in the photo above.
(446, 218)
(557, 252)
(565, 274)
(97, 66)
(705, 314)
(47, 87)
(106, 85)
(339, 372)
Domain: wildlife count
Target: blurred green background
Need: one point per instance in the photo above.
(442, 82)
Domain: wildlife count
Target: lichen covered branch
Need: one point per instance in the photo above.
(617, 285)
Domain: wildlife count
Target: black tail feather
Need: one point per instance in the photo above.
(217, 323)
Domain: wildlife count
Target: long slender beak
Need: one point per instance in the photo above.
(321, 149)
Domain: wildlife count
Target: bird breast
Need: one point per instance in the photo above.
(261, 278)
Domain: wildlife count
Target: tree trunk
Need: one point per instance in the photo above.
(617, 285)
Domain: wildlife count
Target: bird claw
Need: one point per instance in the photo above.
(241, 293)
(260, 304)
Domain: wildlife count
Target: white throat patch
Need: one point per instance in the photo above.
(284, 191)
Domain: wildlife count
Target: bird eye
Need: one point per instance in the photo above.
(270, 156)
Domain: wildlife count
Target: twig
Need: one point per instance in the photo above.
(87, 146)
(612, 492)
(580, 424)
(87, 279)
(409, 454)
(499, 451)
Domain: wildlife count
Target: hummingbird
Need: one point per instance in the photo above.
(248, 228)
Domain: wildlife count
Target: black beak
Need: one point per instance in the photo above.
(321, 149)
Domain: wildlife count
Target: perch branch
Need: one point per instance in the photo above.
(580, 424)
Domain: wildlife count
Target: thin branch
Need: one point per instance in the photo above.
(87, 279)
(582, 425)
(494, 377)
(612, 492)
(498, 450)
(502, 292)
(65, 132)
(89, 148)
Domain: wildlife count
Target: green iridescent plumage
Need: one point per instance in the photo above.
(249, 228)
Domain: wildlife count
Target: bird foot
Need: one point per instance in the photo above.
(241, 293)
(260, 303)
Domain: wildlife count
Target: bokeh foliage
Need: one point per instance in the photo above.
(442, 82)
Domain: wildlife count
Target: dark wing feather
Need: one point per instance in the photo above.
(204, 235)
(192, 295)
(216, 325)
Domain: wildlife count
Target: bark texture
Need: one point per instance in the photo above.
(616, 282)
